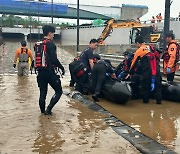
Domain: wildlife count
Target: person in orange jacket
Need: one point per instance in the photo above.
(150, 73)
(170, 57)
(23, 54)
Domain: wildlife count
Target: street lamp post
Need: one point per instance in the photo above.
(77, 25)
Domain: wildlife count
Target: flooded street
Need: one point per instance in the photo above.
(72, 129)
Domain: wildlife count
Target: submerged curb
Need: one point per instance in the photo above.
(142, 142)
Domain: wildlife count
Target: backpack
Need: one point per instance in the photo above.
(40, 50)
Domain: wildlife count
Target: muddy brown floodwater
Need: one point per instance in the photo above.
(72, 129)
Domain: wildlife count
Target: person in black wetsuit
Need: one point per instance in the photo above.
(45, 62)
(86, 58)
(101, 69)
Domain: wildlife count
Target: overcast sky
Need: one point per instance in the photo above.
(155, 6)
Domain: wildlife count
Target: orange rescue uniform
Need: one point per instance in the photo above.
(141, 52)
(170, 62)
(19, 51)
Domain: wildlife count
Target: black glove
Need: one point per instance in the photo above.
(14, 65)
(32, 64)
(63, 71)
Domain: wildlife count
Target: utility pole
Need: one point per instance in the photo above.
(166, 19)
(77, 25)
(38, 22)
(52, 11)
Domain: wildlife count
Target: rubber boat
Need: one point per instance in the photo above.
(171, 92)
(116, 91)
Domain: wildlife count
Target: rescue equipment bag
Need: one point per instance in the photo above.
(78, 68)
(40, 50)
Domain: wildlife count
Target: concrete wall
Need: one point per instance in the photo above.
(118, 36)
(174, 25)
(107, 49)
(133, 11)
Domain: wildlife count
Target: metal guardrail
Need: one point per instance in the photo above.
(116, 60)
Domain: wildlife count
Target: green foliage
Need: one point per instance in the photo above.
(16, 21)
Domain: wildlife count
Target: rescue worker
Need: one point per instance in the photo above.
(123, 68)
(22, 56)
(138, 20)
(151, 77)
(71, 68)
(45, 62)
(170, 57)
(101, 69)
(86, 58)
(159, 17)
(153, 20)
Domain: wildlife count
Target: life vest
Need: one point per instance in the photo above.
(40, 49)
(154, 57)
(23, 56)
(166, 55)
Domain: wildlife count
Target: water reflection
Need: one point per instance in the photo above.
(49, 138)
(158, 122)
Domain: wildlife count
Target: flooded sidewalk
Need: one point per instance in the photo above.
(72, 129)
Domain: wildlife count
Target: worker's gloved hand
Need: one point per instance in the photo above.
(32, 64)
(14, 65)
(120, 75)
(168, 70)
(152, 83)
(63, 71)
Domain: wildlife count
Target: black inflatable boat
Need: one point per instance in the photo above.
(116, 91)
(171, 92)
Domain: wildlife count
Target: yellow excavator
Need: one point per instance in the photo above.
(148, 32)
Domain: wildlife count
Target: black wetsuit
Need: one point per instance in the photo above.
(99, 75)
(82, 82)
(48, 76)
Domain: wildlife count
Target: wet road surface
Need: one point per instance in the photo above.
(72, 129)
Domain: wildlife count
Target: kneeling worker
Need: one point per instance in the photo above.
(99, 74)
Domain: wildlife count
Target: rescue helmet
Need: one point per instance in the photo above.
(23, 43)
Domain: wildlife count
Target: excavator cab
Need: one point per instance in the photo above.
(148, 33)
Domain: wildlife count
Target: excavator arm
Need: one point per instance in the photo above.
(117, 24)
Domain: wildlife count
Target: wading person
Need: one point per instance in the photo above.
(22, 56)
(148, 59)
(45, 63)
(170, 57)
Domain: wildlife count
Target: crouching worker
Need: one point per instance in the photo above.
(148, 58)
(45, 63)
(23, 54)
(123, 68)
(101, 69)
(72, 65)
